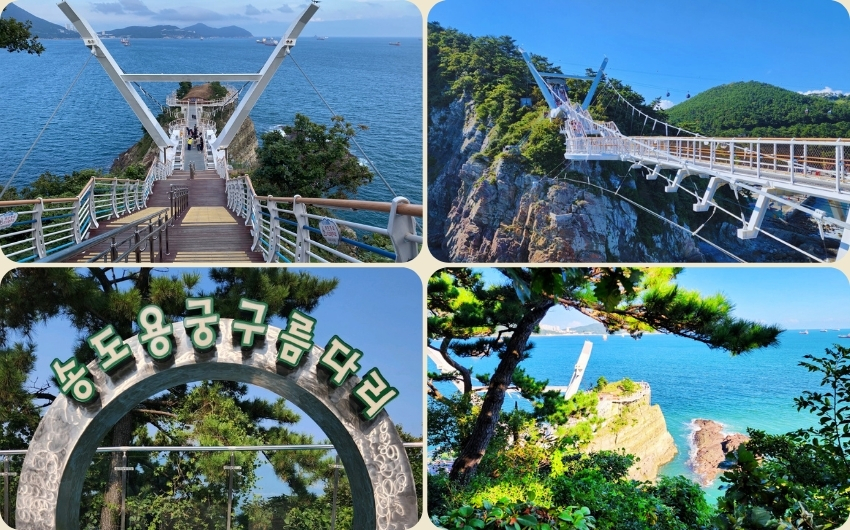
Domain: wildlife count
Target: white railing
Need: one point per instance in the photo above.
(172, 101)
(43, 226)
(285, 231)
(815, 164)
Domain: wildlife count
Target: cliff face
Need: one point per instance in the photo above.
(638, 428)
(494, 211)
(498, 213)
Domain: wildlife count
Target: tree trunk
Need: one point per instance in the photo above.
(464, 372)
(485, 425)
(110, 514)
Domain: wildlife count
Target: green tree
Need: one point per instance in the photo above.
(183, 88)
(217, 90)
(96, 297)
(16, 37)
(634, 300)
(309, 159)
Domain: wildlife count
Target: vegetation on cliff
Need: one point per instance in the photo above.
(16, 36)
(309, 159)
(761, 110)
(491, 72)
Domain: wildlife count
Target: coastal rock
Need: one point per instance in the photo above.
(710, 448)
(635, 426)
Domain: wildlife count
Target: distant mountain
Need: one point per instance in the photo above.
(202, 30)
(173, 32)
(761, 110)
(40, 27)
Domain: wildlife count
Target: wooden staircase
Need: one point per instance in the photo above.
(207, 232)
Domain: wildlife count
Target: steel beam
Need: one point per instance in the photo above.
(228, 133)
(752, 227)
(595, 84)
(156, 78)
(115, 73)
(705, 202)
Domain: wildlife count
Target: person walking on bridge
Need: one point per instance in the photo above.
(189, 144)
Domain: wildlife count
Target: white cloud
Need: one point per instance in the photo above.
(665, 104)
(826, 91)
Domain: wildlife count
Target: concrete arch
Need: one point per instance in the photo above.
(66, 439)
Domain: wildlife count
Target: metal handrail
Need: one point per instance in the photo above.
(112, 234)
(282, 231)
(209, 448)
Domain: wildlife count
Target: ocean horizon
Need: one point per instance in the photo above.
(364, 79)
(688, 380)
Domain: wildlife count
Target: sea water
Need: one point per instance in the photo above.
(689, 380)
(365, 80)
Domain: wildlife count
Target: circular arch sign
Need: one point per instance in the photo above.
(64, 444)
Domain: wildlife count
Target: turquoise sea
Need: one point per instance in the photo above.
(691, 381)
(365, 80)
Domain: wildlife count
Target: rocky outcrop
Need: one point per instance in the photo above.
(242, 150)
(710, 448)
(639, 429)
(483, 210)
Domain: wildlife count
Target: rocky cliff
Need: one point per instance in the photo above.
(638, 428)
(710, 448)
(482, 210)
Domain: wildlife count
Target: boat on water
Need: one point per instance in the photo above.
(125, 41)
(844, 336)
(804, 332)
(321, 38)
(395, 44)
(267, 41)
(824, 330)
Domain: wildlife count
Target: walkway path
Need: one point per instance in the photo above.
(207, 232)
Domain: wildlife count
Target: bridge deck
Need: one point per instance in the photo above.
(813, 167)
(207, 232)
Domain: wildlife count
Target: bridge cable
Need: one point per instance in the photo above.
(352, 139)
(648, 117)
(743, 219)
(74, 82)
(162, 107)
(661, 217)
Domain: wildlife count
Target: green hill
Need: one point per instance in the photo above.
(761, 110)
(40, 27)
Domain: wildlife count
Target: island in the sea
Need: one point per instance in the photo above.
(48, 30)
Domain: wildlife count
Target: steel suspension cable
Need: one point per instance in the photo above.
(387, 184)
(74, 82)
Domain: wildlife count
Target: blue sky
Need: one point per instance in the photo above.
(378, 311)
(335, 18)
(793, 298)
(680, 46)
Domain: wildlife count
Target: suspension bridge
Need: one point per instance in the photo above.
(191, 206)
(781, 171)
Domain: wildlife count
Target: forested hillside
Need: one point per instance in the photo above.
(761, 110)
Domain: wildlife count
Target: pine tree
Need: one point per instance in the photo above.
(91, 299)
(632, 300)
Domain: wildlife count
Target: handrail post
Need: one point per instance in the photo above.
(274, 231)
(161, 234)
(399, 227)
(302, 238)
(150, 241)
(126, 197)
(138, 198)
(92, 205)
(136, 244)
(113, 251)
(38, 229)
(115, 197)
(171, 199)
(76, 218)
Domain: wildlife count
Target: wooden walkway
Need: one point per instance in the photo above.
(208, 232)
